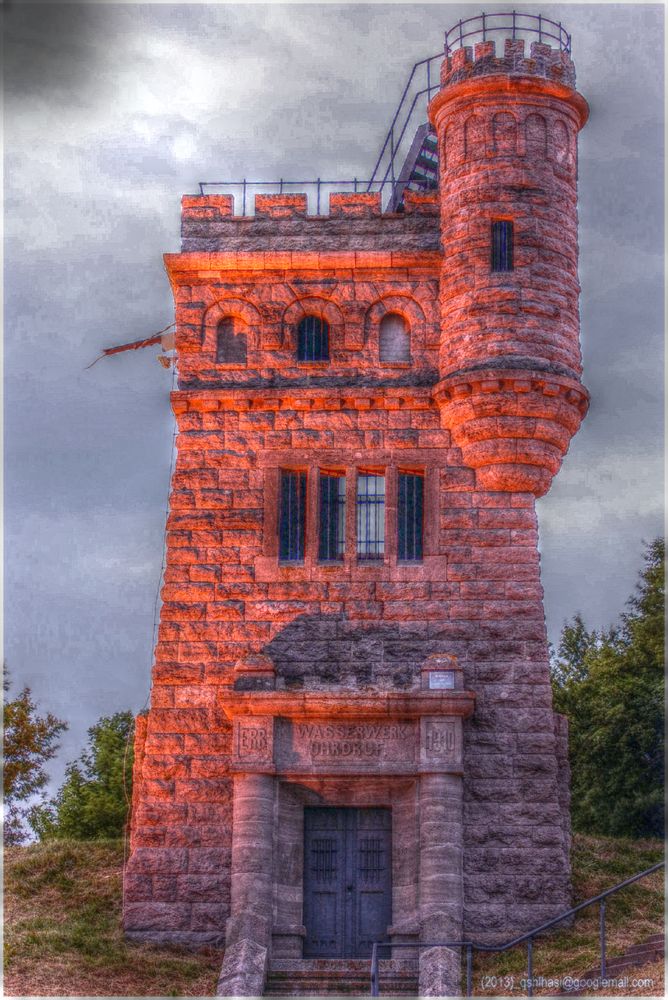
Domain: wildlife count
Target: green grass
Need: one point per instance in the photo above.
(63, 933)
(64, 936)
(632, 915)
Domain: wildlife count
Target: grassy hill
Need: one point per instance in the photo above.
(63, 932)
(632, 916)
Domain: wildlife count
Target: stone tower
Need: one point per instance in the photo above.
(351, 735)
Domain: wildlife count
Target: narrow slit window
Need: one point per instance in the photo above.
(502, 246)
(292, 520)
(410, 513)
(370, 515)
(332, 516)
(313, 339)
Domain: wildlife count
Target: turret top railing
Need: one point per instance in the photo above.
(513, 24)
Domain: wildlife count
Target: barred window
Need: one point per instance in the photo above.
(394, 341)
(230, 342)
(370, 515)
(292, 516)
(502, 246)
(313, 339)
(410, 515)
(332, 516)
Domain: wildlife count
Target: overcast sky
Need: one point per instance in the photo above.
(112, 113)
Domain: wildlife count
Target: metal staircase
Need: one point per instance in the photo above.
(420, 168)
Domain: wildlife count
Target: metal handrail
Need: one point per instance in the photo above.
(513, 21)
(528, 937)
(317, 183)
(391, 140)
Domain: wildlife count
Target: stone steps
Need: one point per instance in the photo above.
(651, 950)
(340, 977)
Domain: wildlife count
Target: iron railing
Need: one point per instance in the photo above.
(423, 81)
(472, 946)
(515, 22)
(317, 188)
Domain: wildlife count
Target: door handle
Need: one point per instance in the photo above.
(349, 888)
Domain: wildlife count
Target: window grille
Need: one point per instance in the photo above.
(292, 516)
(502, 246)
(332, 516)
(230, 343)
(324, 859)
(313, 339)
(371, 859)
(394, 338)
(370, 515)
(410, 511)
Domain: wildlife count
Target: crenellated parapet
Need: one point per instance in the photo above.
(355, 220)
(481, 60)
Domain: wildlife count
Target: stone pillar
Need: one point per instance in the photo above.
(248, 931)
(441, 896)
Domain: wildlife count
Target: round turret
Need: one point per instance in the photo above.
(510, 364)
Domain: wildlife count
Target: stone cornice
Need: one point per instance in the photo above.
(346, 704)
(301, 398)
(186, 267)
(491, 380)
(503, 85)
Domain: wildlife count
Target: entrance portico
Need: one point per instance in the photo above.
(347, 822)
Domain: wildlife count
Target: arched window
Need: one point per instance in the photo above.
(231, 342)
(313, 339)
(394, 338)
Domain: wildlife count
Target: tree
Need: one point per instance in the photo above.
(93, 801)
(610, 686)
(29, 740)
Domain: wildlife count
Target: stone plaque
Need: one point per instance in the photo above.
(441, 742)
(346, 746)
(254, 740)
(441, 679)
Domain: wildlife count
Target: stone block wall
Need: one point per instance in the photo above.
(476, 595)
(485, 408)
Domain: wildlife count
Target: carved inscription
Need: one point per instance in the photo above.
(442, 741)
(364, 740)
(369, 745)
(254, 740)
(440, 738)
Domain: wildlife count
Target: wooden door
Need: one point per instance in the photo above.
(347, 880)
